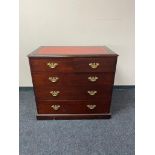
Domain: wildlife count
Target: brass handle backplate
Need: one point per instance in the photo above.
(91, 106)
(92, 78)
(92, 92)
(53, 79)
(94, 65)
(52, 65)
(55, 107)
(54, 93)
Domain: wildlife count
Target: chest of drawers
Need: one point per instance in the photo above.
(73, 82)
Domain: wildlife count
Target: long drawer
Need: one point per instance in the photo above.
(63, 65)
(72, 79)
(72, 107)
(82, 93)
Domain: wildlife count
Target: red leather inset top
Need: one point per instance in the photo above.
(71, 50)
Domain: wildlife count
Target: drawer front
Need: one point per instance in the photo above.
(82, 93)
(52, 64)
(105, 64)
(74, 79)
(72, 107)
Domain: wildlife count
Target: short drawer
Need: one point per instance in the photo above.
(64, 93)
(72, 107)
(102, 64)
(73, 79)
(51, 64)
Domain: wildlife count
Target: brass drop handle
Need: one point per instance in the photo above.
(55, 107)
(93, 106)
(92, 92)
(53, 79)
(52, 64)
(54, 93)
(94, 65)
(92, 78)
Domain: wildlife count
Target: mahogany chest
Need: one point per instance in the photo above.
(73, 82)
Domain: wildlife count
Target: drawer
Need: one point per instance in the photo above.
(104, 64)
(52, 64)
(73, 79)
(65, 93)
(72, 107)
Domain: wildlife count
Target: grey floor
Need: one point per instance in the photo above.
(78, 137)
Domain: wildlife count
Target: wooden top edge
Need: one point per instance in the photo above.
(106, 51)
